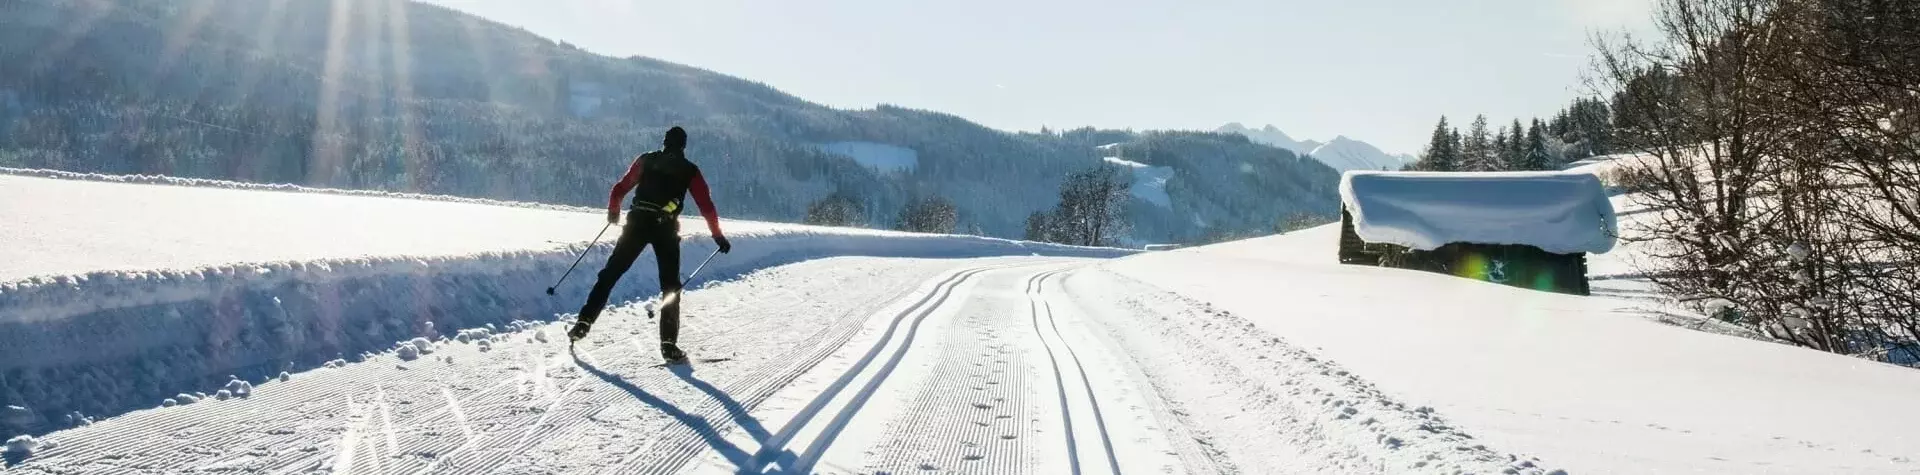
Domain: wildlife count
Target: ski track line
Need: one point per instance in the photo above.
(818, 447)
(671, 452)
(1066, 413)
(1193, 447)
(772, 449)
(493, 451)
(1093, 399)
(1042, 306)
(973, 410)
(684, 442)
(491, 458)
(499, 453)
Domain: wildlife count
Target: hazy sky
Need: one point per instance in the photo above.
(1374, 70)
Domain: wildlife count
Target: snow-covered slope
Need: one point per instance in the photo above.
(1149, 182)
(1345, 154)
(885, 158)
(1586, 383)
(1341, 153)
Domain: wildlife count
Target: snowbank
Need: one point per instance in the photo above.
(236, 185)
(1149, 182)
(349, 275)
(881, 157)
(1559, 212)
(1589, 384)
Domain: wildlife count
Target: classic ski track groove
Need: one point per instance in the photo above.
(943, 428)
(816, 447)
(684, 443)
(1043, 306)
(1093, 399)
(1178, 429)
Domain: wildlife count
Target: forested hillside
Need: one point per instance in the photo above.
(397, 95)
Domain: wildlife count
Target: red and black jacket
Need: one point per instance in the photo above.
(663, 179)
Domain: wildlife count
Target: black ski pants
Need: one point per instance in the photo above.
(644, 227)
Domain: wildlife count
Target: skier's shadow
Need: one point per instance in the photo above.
(742, 460)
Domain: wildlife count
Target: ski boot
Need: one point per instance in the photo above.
(579, 331)
(671, 352)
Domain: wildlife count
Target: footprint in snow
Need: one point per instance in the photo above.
(982, 405)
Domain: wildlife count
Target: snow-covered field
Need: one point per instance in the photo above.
(1149, 183)
(885, 158)
(845, 351)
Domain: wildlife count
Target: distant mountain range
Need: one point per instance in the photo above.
(1341, 153)
(421, 98)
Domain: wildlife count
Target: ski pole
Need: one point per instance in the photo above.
(576, 260)
(668, 299)
(696, 269)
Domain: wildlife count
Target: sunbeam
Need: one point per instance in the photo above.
(95, 10)
(482, 52)
(181, 36)
(327, 150)
(267, 37)
(412, 136)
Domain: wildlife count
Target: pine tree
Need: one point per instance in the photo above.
(1501, 151)
(1476, 148)
(1517, 147)
(929, 214)
(837, 209)
(1442, 152)
(1537, 156)
(1039, 227)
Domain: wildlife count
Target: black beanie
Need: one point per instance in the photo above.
(676, 139)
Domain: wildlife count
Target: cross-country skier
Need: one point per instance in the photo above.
(660, 181)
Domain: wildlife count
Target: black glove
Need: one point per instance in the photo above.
(725, 247)
(613, 216)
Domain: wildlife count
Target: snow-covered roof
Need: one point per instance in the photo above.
(1560, 212)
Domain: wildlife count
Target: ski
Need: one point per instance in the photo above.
(689, 362)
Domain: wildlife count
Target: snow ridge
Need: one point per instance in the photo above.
(237, 185)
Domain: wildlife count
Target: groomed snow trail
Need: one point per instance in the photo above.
(999, 375)
(841, 365)
(525, 406)
(830, 366)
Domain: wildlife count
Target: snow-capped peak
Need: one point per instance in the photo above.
(1347, 154)
(1342, 153)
